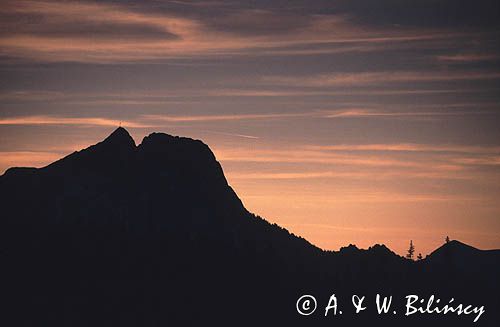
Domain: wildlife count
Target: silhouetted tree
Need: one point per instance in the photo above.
(447, 239)
(411, 251)
(419, 256)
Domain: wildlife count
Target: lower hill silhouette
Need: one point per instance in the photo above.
(153, 235)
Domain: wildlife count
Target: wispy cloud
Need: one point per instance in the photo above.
(366, 113)
(369, 161)
(346, 175)
(142, 121)
(109, 33)
(303, 155)
(371, 78)
(106, 48)
(157, 120)
(31, 95)
(54, 120)
(492, 160)
(233, 117)
(410, 147)
(159, 98)
(468, 57)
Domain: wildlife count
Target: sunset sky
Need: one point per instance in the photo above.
(345, 121)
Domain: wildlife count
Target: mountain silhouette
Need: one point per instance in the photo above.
(457, 256)
(120, 234)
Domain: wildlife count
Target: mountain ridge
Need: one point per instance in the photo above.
(126, 234)
(120, 141)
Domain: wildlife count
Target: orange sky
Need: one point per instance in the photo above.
(342, 122)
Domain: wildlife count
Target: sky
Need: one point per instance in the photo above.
(343, 121)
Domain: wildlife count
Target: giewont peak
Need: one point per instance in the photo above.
(120, 137)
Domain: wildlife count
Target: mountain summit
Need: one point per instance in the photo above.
(152, 234)
(464, 258)
(120, 137)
